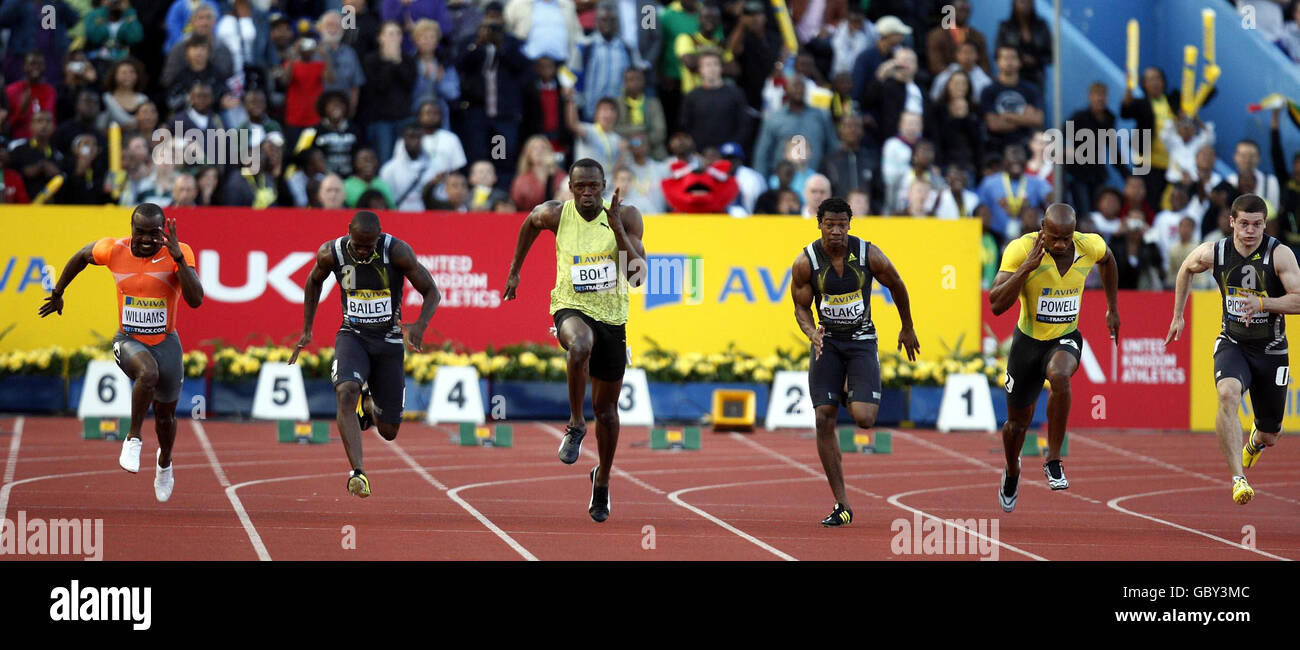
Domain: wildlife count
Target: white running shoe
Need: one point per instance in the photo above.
(130, 458)
(163, 479)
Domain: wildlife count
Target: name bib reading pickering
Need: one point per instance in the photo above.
(593, 272)
(370, 306)
(1056, 308)
(144, 315)
(1239, 300)
(842, 309)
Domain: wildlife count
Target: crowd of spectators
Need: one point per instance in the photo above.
(901, 106)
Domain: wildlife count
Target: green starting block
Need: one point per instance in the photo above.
(1035, 446)
(317, 432)
(472, 435)
(105, 428)
(686, 438)
(853, 441)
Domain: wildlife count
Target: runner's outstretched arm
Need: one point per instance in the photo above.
(191, 288)
(1007, 285)
(889, 278)
(1201, 259)
(543, 217)
(311, 294)
(404, 259)
(1109, 271)
(1284, 263)
(54, 301)
(801, 291)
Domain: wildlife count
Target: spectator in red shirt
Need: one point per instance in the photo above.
(29, 96)
(304, 76)
(13, 190)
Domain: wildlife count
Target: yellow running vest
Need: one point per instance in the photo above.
(589, 275)
(1049, 301)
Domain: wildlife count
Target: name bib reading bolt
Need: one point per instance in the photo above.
(144, 315)
(593, 273)
(842, 308)
(1239, 300)
(1057, 309)
(370, 306)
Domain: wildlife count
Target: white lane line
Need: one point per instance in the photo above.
(807, 469)
(215, 464)
(1114, 503)
(11, 465)
(980, 463)
(454, 496)
(1170, 466)
(895, 500)
(675, 497)
(559, 435)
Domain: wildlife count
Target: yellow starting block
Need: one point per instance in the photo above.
(316, 432)
(105, 428)
(854, 441)
(471, 435)
(1035, 446)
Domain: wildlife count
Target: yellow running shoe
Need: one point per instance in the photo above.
(359, 485)
(1251, 452)
(1242, 493)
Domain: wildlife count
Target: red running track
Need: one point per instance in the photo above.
(242, 496)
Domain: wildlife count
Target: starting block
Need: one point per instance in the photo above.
(852, 441)
(105, 428)
(687, 438)
(472, 435)
(317, 432)
(1035, 446)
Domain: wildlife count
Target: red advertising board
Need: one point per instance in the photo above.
(1138, 383)
(253, 265)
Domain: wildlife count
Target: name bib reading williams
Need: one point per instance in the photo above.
(1057, 309)
(842, 308)
(370, 306)
(144, 315)
(593, 273)
(1239, 300)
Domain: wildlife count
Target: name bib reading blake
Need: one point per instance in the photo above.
(1239, 300)
(144, 315)
(370, 306)
(1057, 309)
(842, 309)
(593, 273)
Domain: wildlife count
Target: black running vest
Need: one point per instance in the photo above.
(371, 291)
(1243, 280)
(843, 302)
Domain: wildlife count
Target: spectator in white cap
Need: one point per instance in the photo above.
(891, 32)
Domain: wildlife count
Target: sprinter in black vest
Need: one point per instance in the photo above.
(371, 268)
(835, 274)
(1259, 282)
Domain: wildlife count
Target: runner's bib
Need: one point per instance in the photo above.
(144, 315)
(1057, 309)
(593, 273)
(1239, 300)
(370, 306)
(842, 309)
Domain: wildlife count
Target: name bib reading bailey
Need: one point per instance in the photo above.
(1057, 309)
(1239, 300)
(144, 315)
(842, 308)
(370, 306)
(593, 272)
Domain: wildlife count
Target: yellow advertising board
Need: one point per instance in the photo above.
(38, 242)
(716, 280)
(1205, 322)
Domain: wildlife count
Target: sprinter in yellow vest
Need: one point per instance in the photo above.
(597, 249)
(1045, 272)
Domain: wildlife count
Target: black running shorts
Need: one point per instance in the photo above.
(1265, 375)
(369, 359)
(855, 360)
(608, 345)
(166, 353)
(1027, 365)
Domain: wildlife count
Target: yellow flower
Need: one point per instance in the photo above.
(558, 363)
(682, 366)
(528, 359)
(763, 375)
(499, 362)
(705, 369)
